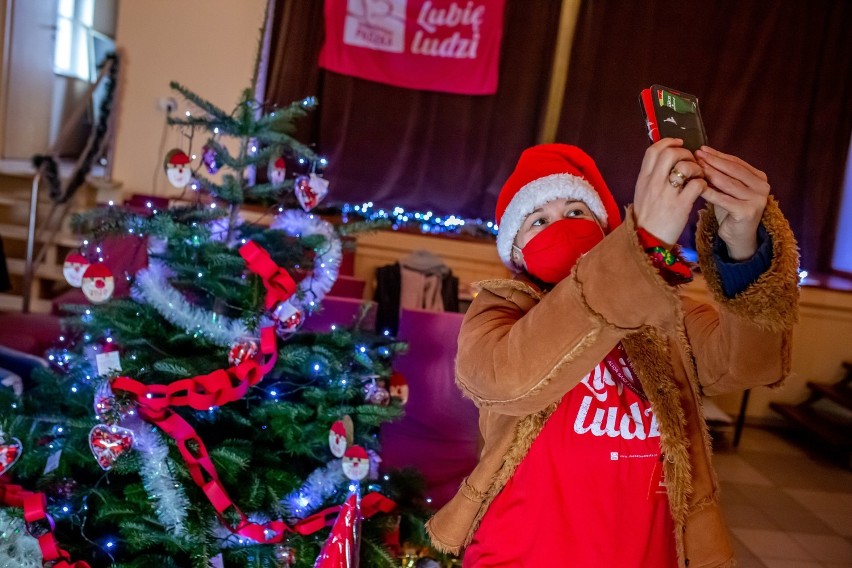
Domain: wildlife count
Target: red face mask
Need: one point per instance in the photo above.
(551, 254)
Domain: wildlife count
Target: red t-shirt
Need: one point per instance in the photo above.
(589, 493)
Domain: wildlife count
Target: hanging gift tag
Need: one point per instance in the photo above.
(276, 171)
(217, 561)
(74, 267)
(108, 363)
(52, 462)
(310, 190)
(356, 463)
(177, 168)
(98, 283)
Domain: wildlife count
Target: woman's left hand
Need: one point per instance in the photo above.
(739, 193)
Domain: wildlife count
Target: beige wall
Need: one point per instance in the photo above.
(209, 47)
(4, 52)
(821, 342)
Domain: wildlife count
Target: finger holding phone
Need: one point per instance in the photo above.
(738, 191)
(669, 182)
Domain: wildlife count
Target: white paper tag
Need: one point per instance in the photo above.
(108, 362)
(217, 561)
(52, 462)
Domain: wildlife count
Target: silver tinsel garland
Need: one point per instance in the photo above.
(152, 287)
(171, 503)
(321, 484)
(17, 548)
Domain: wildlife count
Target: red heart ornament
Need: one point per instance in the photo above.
(310, 190)
(108, 443)
(10, 452)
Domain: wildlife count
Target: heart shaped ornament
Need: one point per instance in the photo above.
(10, 452)
(288, 319)
(108, 443)
(310, 190)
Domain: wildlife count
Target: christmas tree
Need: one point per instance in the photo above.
(192, 422)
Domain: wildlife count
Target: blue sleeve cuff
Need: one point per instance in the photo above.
(736, 276)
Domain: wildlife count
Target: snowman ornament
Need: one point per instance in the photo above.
(177, 168)
(98, 283)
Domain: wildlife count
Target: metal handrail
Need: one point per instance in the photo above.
(29, 269)
(31, 261)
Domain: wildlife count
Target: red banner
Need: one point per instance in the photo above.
(430, 45)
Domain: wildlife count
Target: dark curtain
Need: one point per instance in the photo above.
(417, 149)
(774, 81)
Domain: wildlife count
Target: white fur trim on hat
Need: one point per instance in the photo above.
(535, 194)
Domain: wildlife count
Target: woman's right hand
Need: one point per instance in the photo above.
(663, 199)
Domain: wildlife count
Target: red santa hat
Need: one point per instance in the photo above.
(177, 158)
(544, 173)
(356, 453)
(97, 270)
(338, 428)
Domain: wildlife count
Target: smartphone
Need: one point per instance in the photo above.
(672, 114)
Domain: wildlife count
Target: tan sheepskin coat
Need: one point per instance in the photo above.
(521, 350)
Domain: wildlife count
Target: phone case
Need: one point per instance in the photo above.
(672, 114)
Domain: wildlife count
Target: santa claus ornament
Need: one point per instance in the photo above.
(177, 168)
(98, 283)
(310, 190)
(73, 268)
(10, 452)
(399, 387)
(340, 436)
(356, 463)
(277, 172)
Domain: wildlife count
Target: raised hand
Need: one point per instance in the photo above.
(739, 193)
(669, 182)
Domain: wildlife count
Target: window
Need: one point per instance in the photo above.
(74, 55)
(842, 260)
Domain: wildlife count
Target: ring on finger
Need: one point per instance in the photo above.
(679, 178)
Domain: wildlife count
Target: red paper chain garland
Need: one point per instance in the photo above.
(221, 387)
(39, 524)
(200, 393)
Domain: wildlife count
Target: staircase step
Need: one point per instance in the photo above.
(15, 303)
(45, 271)
(18, 232)
(835, 392)
(834, 434)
